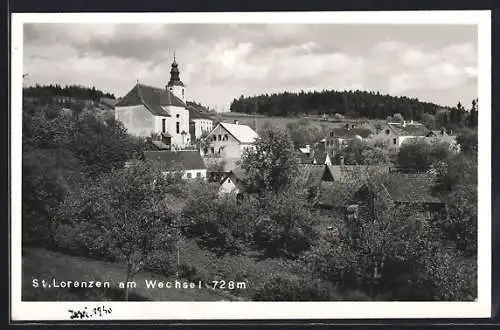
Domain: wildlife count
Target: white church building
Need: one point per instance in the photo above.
(159, 113)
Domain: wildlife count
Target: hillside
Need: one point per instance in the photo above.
(38, 263)
(354, 104)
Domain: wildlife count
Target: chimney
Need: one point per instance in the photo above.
(341, 161)
(236, 122)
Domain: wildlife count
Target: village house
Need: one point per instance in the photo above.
(340, 137)
(234, 182)
(394, 134)
(188, 162)
(160, 113)
(199, 123)
(229, 140)
(413, 192)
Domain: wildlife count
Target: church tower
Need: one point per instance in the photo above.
(175, 85)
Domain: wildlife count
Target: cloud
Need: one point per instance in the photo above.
(218, 62)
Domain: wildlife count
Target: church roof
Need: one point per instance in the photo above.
(152, 98)
(196, 114)
(242, 133)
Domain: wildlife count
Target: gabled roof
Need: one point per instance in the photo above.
(170, 160)
(344, 132)
(311, 175)
(242, 133)
(152, 98)
(196, 114)
(411, 188)
(239, 176)
(340, 172)
(409, 129)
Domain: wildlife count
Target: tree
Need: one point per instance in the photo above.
(428, 120)
(221, 224)
(127, 210)
(285, 226)
(415, 155)
(271, 165)
(398, 118)
(358, 152)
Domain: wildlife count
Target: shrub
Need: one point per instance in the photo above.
(281, 288)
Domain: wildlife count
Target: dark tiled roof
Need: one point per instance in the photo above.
(362, 171)
(409, 129)
(311, 175)
(196, 114)
(343, 132)
(408, 188)
(152, 98)
(169, 160)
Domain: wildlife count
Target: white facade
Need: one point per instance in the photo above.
(179, 91)
(139, 121)
(201, 126)
(193, 174)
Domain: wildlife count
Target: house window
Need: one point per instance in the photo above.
(213, 150)
(225, 137)
(198, 174)
(394, 141)
(220, 137)
(177, 127)
(215, 138)
(163, 125)
(331, 134)
(188, 175)
(387, 131)
(228, 180)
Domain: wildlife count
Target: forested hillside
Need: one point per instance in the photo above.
(46, 92)
(353, 104)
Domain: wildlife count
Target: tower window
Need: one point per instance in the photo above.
(183, 92)
(177, 116)
(163, 125)
(177, 127)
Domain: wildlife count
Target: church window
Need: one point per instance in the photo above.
(177, 127)
(394, 141)
(177, 116)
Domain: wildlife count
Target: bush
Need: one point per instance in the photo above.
(281, 288)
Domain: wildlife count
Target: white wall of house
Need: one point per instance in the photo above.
(137, 119)
(220, 140)
(201, 126)
(193, 174)
(177, 115)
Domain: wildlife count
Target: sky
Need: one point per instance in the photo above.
(220, 62)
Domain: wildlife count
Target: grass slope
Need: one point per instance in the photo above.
(43, 264)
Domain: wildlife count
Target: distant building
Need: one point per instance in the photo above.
(161, 113)
(199, 123)
(229, 140)
(340, 137)
(394, 134)
(414, 191)
(188, 162)
(234, 182)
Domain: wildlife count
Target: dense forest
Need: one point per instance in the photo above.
(46, 92)
(353, 104)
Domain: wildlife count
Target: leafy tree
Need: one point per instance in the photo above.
(358, 152)
(397, 117)
(219, 224)
(428, 120)
(285, 226)
(467, 140)
(271, 165)
(128, 210)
